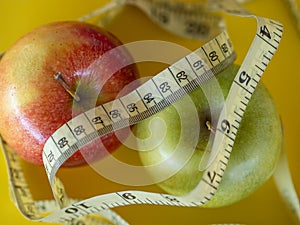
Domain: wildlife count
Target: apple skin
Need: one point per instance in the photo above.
(34, 104)
(254, 155)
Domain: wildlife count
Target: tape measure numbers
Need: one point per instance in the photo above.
(264, 45)
(168, 87)
(164, 88)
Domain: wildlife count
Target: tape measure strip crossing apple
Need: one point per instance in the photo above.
(166, 87)
(264, 45)
(263, 48)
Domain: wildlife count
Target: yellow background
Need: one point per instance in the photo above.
(282, 79)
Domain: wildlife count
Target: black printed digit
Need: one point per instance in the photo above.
(244, 78)
(114, 113)
(264, 31)
(62, 142)
(225, 126)
(198, 65)
(148, 98)
(132, 107)
(164, 87)
(181, 76)
(79, 130)
(213, 56)
(97, 120)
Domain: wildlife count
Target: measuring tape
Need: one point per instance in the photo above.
(198, 67)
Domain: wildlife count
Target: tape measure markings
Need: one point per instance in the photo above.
(63, 143)
(187, 20)
(20, 192)
(130, 198)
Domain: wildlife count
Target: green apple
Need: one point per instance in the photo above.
(254, 155)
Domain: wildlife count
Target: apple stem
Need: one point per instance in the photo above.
(60, 79)
(210, 127)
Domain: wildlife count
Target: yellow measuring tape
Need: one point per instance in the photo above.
(165, 88)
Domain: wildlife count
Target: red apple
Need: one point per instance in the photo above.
(34, 104)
